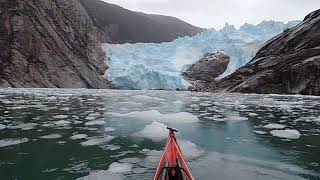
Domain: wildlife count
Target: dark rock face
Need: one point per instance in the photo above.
(204, 72)
(288, 64)
(125, 26)
(50, 43)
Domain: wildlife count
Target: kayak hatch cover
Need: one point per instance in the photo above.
(172, 165)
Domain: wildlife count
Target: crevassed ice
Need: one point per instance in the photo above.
(159, 66)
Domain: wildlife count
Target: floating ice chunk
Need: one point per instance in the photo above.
(154, 115)
(109, 129)
(274, 126)
(253, 114)
(90, 118)
(260, 132)
(178, 103)
(194, 98)
(79, 136)
(25, 126)
(2, 126)
(234, 117)
(147, 98)
(102, 175)
(153, 156)
(205, 104)
(111, 147)
(194, 105)
(11, 142)
(120, 167)
(60, 117)
(155, 131)
(97, 141)
(189, 149)
(93, 123)
(51, 136)
(131, 103)
(62, 123)
(65, 109)
(130, 160)
(288, 133)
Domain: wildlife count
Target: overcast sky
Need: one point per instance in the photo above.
(214, 13)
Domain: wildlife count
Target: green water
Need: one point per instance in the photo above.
(222, 135)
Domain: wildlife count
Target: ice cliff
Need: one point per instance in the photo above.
(159, 66)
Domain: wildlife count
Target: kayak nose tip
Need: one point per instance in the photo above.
(172, 129)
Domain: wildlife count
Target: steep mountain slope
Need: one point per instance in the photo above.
(49, 43)
(128, 26)
(288, 64)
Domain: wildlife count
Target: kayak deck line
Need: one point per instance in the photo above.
(172, 165)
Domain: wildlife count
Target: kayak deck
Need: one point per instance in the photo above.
(172, 165)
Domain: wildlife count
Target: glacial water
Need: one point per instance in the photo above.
(104, 134)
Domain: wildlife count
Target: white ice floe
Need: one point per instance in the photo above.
(65, 109)
(288, 133)
(24, 126)
(194, 105)
(205, 104)
(154, 115)
(253, 114)
(109, 129)
(112, 147)
(62, 123)
(155, 131)
(51, 136)
(60, 117)
(260, 132)
(102, 175)
(274, 126)
(78, 136)
(178, 103)
(2, 126)
(147, 98)
(11, 142)
(94, 123)
(97, 141)
(120, 167)
(189, 149)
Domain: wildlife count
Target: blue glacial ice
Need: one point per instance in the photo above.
(159, 66)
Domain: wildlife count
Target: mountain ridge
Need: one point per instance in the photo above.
(126, 26)
(289, 63)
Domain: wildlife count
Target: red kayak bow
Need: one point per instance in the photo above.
(172, 165)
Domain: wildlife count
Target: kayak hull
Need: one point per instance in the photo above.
(172, 164)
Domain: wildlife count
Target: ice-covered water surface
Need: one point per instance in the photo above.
(159, 66)
(104, 134)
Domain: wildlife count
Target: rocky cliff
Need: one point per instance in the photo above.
(205, 71)
(288, 64)
(125, 26)
(50, 43)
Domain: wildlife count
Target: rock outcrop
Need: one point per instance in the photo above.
(205, 71)
(287, 64)
(124, 25)
(50, 43)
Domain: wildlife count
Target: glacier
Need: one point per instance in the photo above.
(160, 65)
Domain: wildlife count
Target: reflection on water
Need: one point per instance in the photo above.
(103, 134)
